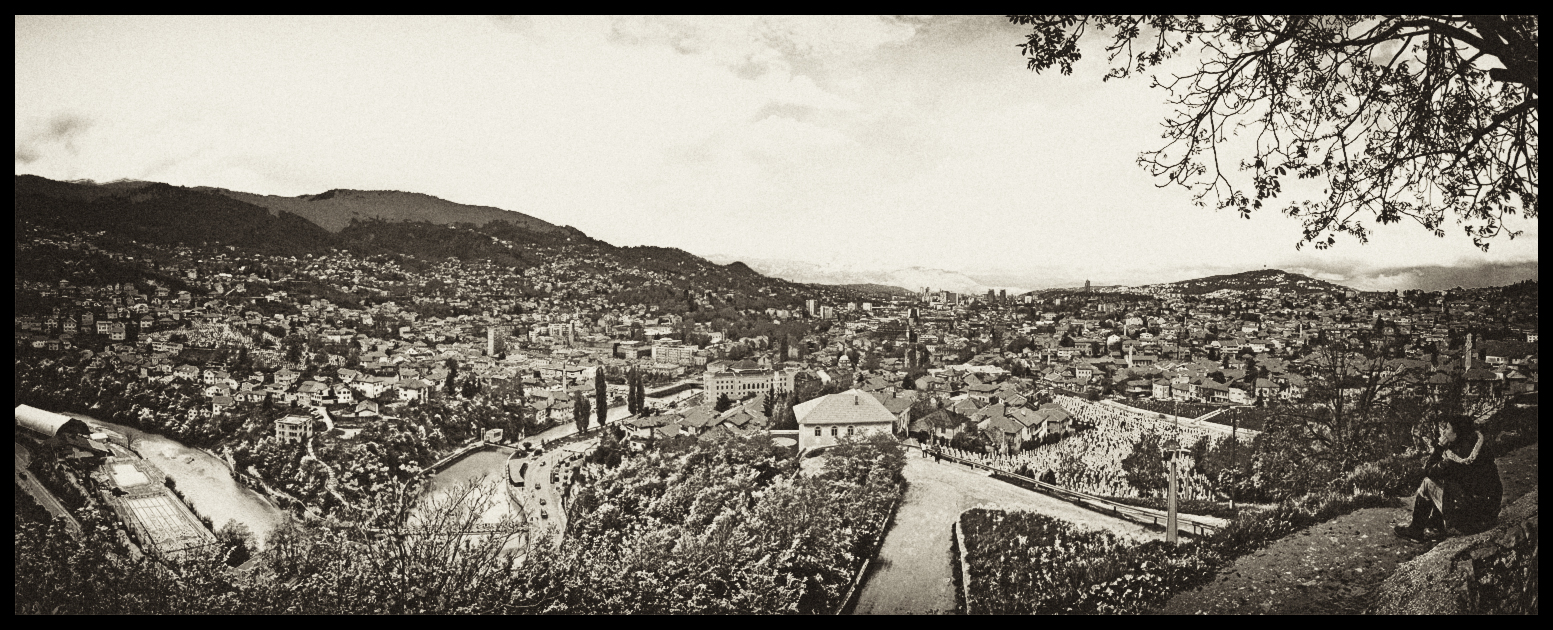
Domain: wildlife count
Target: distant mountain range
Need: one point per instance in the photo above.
(333, 210)
(877, 289)
(1257, 280)
(912, 279)
(163, 213)
(385, 222)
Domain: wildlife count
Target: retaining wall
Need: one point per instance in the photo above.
(856, 586)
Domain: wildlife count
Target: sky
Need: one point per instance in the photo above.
(865, 142)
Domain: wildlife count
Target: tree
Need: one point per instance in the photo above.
(1403, 116)
(785, 420)
(580, 412)
(630, 377)
(601, 404)
(641, 394)
(1145, 465)
(723, 403)
(236, 540)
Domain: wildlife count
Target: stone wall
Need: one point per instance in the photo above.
(1494, 572)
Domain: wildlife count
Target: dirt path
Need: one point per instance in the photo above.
(1330, 568)
(912, 573)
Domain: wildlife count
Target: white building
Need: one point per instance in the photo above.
(293, 428)
(744, 378)
(828, 419)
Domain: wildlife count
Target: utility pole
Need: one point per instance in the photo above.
(1171, 457)
(1170, 518)
(1234, 444)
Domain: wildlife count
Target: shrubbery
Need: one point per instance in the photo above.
(722, 527)
(1199, 507)
(1076, 570)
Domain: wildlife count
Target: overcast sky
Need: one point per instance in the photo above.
(874, 142)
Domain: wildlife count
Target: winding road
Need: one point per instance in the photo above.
(912, 574)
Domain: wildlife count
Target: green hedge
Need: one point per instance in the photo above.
(1024, 563)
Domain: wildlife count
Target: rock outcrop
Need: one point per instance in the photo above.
(1491, 572)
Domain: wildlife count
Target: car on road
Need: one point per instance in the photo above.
(541, 500)
(543, 514)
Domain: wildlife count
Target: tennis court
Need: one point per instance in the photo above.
(166, 523)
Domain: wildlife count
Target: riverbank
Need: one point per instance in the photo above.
(205, 479)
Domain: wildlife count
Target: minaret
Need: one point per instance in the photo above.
(1129, 357)
(1467, 355)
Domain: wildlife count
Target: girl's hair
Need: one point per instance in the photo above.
(1463, 425)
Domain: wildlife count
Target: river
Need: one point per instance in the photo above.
(208, 484)
(204, 479)
(490, 466)
(490, 463)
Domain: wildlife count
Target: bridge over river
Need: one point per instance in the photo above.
(475, 529)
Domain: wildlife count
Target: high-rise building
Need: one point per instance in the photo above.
(1086, 285)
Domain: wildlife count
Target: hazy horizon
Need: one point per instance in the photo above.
(861, 142)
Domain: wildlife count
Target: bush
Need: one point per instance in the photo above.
(1391, 476)
(1200, 507)
(1024, 563)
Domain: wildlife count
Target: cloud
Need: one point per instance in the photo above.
(63, 129)
(753, 45)
(1468, 274)
(513, 23)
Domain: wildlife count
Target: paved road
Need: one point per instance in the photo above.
(566, 429)
(39, 492)
(540, 499)
(912, 574)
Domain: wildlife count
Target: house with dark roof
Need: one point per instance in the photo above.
(899, 405)
(942, 424)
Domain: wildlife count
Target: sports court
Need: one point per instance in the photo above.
(127, 475)
(165, 522)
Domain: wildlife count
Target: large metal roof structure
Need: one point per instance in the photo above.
(47, 423)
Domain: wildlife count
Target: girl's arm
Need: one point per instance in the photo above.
(1471, 457)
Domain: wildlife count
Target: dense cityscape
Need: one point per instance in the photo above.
(384, 402)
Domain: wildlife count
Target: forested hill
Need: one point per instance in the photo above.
(1258, 280)
(163, 214)
(879, 289)
(335, 209)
